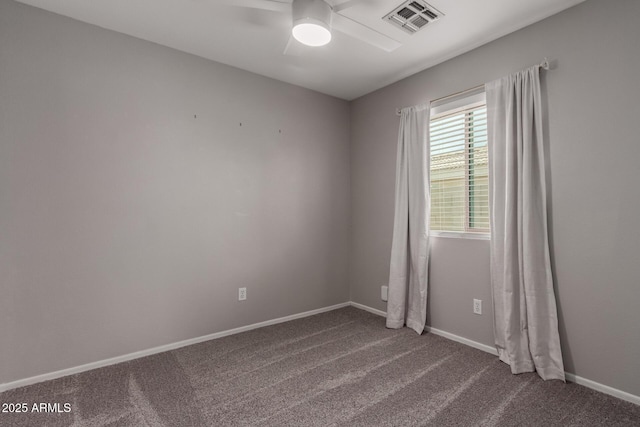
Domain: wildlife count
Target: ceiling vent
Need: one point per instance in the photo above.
(413, 15)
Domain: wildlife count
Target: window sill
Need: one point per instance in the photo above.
(461, 235)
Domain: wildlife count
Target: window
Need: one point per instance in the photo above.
(459, 166)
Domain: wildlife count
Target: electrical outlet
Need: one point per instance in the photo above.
(477, 306)
(384, 293)
(242, 294)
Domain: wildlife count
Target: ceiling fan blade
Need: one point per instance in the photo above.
(346, 4)
(364, 33)
(274, 5)
(293, 47)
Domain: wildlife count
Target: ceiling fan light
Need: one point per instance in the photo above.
(311, 22)
(311, 33)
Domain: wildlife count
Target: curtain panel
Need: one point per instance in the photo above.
(525, 313)
(408, 275)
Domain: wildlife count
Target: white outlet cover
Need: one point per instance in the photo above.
(242, 294)
(477, 306)
(384, 293)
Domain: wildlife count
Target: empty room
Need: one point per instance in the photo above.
(319, 213)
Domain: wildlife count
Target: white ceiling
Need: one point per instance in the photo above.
(347, 68)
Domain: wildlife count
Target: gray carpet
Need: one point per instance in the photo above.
(341, 368)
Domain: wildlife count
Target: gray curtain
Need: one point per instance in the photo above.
(525, 314)
(407, 302)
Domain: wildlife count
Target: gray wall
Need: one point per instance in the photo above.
(593, 109)
(128, 223)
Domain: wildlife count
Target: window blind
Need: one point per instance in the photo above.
(460, 170)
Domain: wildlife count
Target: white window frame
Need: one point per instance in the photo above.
(452, 105)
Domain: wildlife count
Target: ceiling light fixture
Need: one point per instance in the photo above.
(311, 22)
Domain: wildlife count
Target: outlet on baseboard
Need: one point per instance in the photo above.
(242, 294)
(477, 306)
(384, 293)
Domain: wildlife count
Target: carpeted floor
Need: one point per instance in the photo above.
(341, 368)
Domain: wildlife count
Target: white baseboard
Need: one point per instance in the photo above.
(160, 349)
(462, 340)
(138, 354)
(367, 308)
(569, 376)
(435, 331)
(603, 388)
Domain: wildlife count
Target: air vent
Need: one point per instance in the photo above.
(413, 15)
(417, 6)
(406, 13)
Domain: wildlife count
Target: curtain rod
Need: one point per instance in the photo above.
(544, 65)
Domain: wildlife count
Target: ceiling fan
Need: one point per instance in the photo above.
(313, 21)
